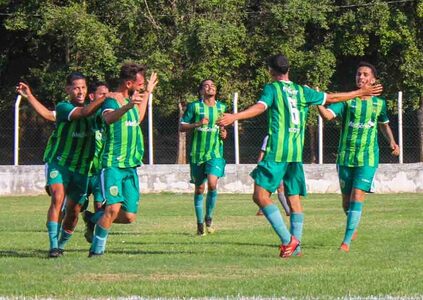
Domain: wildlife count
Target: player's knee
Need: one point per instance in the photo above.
(199, 190)
(130, 217)
(111, 212)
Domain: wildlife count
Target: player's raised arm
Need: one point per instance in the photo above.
(251, 112)
(369, 90)
(151, 85)
(25, 91)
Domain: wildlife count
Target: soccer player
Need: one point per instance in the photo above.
(206, 159)
(288, 105)
(280, 190)
(68, 157)
(123, 151)
(358, 152)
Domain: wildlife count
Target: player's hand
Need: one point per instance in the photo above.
(395, 149)
(226, 119)
(223, 133)
(372, 90)
(23, 89)
(204, 121)
(152, 82)
(135, 99)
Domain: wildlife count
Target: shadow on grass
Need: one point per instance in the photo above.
(194, 243)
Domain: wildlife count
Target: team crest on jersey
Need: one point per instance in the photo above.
(114, 190)
(54, 174)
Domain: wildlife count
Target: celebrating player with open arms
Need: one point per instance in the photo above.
(68, 157)
(358, 152)
(123, 151)
(206, 159)
(288, 104)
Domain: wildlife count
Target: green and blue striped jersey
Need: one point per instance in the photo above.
(287, 104)
(358, 144)
(124, 144)
(99, 142)
(206, 143)
(72, 143)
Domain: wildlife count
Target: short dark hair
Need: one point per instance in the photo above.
(74, 76)
(95, 84)
(368, 65)
(278, 63)
(200, 86)
(129, 71)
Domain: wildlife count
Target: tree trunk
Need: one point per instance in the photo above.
(312, 132)
(420, 128)
(182, 139)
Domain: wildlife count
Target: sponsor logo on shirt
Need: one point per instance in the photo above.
(294, 130)
(369, 124)
(207, 129)
(131, 123)
(79, 135)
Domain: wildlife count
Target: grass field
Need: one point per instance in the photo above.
(160, 255)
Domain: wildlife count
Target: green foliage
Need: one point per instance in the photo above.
(187, 41)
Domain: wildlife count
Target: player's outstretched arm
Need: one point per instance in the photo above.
(387, 133)
(25, 91)
(111, 116)
(251, 112)
(187, 126)
(87, 110)
(325, 113)
(371, 90)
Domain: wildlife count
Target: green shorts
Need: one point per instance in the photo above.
(269, 174)
(121, 185)
(94, 187)
(199, 172)
(356, 177)
(75, 184)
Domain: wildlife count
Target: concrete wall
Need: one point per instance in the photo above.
(395, 178)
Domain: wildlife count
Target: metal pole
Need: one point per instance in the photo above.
(400, 135)
(320, 136)
(16, 146)
(150, 129)
(236, 132)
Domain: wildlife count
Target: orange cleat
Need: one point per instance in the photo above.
(344, 248)
(288, 250)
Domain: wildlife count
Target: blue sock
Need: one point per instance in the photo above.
(273, 215)
(64, 238)
(53, 230)
(354, 215)
(100, 237)
(297, 221)
(198, 205)
(210, 203)
(97, 216)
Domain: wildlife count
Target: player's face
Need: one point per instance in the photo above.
(78, 91)
(364, 77)
(101, 92)
(137, 84)
(208, 88)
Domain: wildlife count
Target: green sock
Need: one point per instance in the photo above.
(210, 203)
(64, 238)
(99, 242)
(273, 215)
(97, 216)
(198, 205)
(353, 219)
(297, 221)
(53, 230)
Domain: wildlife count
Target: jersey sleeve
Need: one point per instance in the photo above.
(337, 109)
(188, 117)
(313, 97)
(267, 96)
(64, 110)
(383, 117)
(109, 104)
